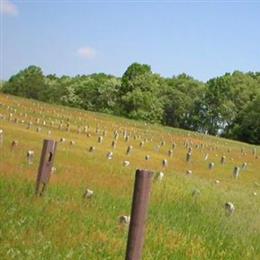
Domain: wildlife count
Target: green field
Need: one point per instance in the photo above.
(63, 225)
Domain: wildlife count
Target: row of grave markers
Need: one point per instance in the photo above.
(65, 120)
(211, 165)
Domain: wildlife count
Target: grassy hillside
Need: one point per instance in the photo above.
(180, 225)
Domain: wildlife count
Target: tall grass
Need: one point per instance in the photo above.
(62, 225)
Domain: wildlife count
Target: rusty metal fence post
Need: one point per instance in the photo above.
(142, 187)
(45, 167)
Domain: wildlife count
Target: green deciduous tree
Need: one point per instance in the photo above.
(180, 100)
(28, 83)
(226, 105)
(139, 94)
(246, 127)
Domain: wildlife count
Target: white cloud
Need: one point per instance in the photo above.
(86, 53)
(8, 8)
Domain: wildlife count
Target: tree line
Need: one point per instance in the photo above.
(228, 105)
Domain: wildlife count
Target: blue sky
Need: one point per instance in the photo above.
(201, 38)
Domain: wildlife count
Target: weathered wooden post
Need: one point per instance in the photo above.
(46, 163)
(142, 187)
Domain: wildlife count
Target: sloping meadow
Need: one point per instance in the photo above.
(188, 214)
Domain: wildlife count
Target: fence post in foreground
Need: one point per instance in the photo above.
(45, 167)
(142, 187)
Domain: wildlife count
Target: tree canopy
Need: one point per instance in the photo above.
(228, 105)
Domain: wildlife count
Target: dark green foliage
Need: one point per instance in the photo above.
(97, 92)
(180, 100)
(140, 94)
(217, 109)
(133, 72)
(246, 127)
(26, 83)
(226, 105)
